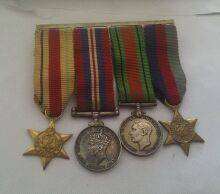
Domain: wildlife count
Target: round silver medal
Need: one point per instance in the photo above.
(97, 148)
(140, 134)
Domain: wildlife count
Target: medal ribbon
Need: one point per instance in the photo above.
(132, 71)
(162, 48)
(94, 70)
(54, 70)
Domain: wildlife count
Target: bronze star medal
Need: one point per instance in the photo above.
(181, 131)
(48, 144)
(169, 82)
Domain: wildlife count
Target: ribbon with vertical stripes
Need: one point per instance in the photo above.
(162, 48)
(54, 70)
(94, 70)
(132, 71)
(169, 82)
(53, 86)
(133, 78)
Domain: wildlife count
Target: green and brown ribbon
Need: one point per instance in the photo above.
(132, 71)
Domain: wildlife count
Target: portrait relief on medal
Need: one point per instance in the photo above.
(140, 136)
(97, 148)
(140, 133)
(98, 144)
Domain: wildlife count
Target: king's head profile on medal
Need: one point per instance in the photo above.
(97, 147)
(141, 134)
(128, 64)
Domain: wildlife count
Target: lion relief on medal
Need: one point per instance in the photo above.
(140, 135)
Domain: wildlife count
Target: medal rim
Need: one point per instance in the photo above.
(81, 162)
(154, 123)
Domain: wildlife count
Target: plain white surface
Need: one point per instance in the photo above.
(169, 171)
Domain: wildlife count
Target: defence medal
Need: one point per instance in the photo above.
(97, 147)
(169, 82)
(53, 86)
(140, 134)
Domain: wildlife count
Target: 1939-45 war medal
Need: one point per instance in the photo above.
(140, 134)
(97, 147)
(141, 57)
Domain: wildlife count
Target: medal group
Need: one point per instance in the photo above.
(107, 66)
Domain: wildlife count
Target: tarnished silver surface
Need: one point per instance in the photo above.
(97, 148)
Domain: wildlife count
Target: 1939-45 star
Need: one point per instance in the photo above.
(48, 144)
(181, 131)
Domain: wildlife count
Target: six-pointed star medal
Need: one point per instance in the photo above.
(181, 131)
(48, 144)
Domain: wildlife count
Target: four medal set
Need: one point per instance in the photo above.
(87, 60)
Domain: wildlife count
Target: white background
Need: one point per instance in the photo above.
(169, 171)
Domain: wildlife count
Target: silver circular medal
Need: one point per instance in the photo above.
(140, 134)
(97, 148)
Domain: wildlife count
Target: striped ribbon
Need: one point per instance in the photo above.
(132, 71)
(94, 70)
(54, 70)
(162, 48)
